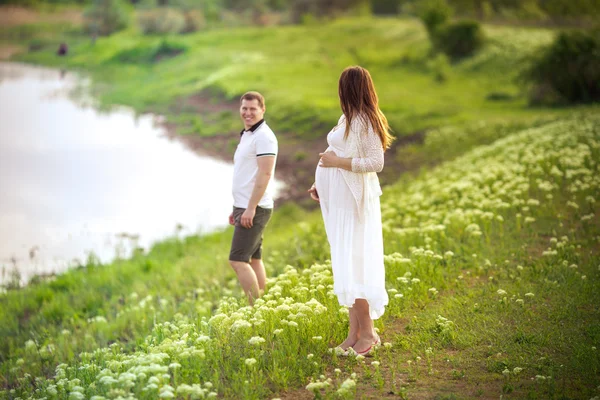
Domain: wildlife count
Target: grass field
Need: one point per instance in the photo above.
(492, 269)
(297, 68)
(492, 256)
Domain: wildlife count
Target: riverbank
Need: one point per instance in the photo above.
(77, 181)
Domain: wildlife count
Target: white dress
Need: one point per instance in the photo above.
(356, 245)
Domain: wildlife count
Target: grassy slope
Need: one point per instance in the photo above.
(289, 59)
(490, 208)
(297, 69)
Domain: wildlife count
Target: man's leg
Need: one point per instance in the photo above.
(246, 245)
(259, 270)
(262, 219)
(247, 278)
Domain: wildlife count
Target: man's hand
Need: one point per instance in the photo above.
(314, 194)
(328, 159)
(231, 219)
(247, 218)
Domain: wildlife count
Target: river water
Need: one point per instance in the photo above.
(74, 180)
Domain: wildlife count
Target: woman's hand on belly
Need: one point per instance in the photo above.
(328, 159)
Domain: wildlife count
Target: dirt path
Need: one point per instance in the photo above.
(8, 50)
(15, 15)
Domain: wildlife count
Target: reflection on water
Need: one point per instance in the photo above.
(72, 180)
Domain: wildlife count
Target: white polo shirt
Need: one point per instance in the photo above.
(258, 141)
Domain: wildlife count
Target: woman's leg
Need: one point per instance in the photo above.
(353, 331)
(366, 329)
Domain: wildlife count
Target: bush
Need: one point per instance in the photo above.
(168, 49)
(161, 21)
(145, 54)
(194, 21)
(568, 70)
(434, 14)
(460, 39)
(38, 44)
(105, 17)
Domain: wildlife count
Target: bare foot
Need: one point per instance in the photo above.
(349, 342)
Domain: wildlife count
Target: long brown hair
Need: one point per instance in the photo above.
(358, 98)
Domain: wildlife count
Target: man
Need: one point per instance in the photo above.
(253, 169)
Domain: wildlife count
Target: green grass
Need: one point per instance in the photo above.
(467, 241)
(511, 210)
(297, 68)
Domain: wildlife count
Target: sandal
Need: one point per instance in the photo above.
(371, 348)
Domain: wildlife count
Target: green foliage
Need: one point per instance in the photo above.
(39, 44)
(440, 66)
(529, 10)
(105, 17)
(448, 142)
(299, 94)
(143, 54)
(434, 14)
(560, 9)
(21, 32)
(455, 39)
(568, 70)
(459, 39)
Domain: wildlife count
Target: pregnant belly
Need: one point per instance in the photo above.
(322, 175)
(324, 178)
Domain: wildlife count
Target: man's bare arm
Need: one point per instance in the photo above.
(265, 172)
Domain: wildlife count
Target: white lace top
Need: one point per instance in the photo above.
(364, 147)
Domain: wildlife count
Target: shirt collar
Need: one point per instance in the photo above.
(253, 127)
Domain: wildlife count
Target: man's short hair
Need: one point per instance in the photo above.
(254, 96)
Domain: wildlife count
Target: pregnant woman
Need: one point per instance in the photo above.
(348, 190)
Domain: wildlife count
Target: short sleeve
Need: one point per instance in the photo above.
(266, 145)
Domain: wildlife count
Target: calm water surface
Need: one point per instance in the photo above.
(73, 180)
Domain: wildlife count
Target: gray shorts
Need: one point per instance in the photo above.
(247, 243)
